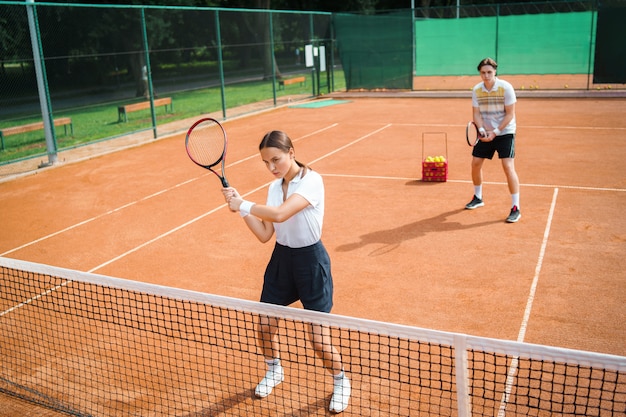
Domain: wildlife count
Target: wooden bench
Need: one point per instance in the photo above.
(289, 81)
(14, 130)
(122, 111)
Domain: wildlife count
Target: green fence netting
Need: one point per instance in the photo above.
(375, 51)
(610, 53)
(175, 63)
(556, 43)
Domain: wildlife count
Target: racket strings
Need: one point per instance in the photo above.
(206, 144)
(472, 134)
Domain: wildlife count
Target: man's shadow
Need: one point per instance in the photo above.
(390, 239)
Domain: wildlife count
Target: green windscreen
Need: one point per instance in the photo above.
(555, 43)
(450, 46)
(375, 51)
(610, 54)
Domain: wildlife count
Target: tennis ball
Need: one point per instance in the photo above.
(566, 86)
(522, 87)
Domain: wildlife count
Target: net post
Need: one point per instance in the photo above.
(461, 374)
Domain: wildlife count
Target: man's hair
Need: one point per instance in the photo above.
(487, 61)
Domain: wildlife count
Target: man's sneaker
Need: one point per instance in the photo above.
(474, 204)
(514, 216)
(341, 395)
(273, 377)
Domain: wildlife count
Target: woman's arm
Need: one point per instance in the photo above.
(293, 205)
(261, 218)
(262, 229)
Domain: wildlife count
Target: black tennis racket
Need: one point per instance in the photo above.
(206, 144)
(472, 134)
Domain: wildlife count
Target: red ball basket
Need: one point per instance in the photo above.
(435, 171)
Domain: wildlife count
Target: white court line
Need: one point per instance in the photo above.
(521, 127)
(35, 298)
(542, 252)
(74, 226)
(84, 222)
(529, 305)
(161, 236)
(549, 186)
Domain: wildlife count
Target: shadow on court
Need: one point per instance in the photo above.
(393, 238)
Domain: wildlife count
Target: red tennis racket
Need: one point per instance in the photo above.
(472, 134)
(206, 144)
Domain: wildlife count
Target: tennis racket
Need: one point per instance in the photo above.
(472, 135)
(206, 146)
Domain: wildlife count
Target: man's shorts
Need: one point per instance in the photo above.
(504, 145)
(299, 274)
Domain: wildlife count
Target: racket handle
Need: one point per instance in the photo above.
(224, 182)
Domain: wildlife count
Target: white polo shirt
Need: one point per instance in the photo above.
(305, 228)
(491, 104)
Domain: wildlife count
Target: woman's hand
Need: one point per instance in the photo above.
(232, 197)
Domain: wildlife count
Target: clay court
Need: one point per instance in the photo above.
(403, 250)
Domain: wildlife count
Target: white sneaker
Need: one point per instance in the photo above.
(272, 378)
(341, 395)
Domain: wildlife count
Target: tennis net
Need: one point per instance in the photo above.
(90, 345)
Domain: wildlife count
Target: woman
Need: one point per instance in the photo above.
(299, 268)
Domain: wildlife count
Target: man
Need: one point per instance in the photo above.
(493, 106)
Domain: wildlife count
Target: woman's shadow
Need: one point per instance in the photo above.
(390, 239)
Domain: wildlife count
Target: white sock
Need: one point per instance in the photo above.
(515, 200)
(272, 364)
(337, 378)
(478, 191)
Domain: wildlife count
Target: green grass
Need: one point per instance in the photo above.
(100, 122)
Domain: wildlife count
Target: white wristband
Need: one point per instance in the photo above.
(497, 131)
(482, 131)
(245, 207)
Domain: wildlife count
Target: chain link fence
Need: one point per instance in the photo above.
(84, 73)
(72, 75)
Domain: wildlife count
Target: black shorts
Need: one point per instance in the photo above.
(505, 145)
(299, 274)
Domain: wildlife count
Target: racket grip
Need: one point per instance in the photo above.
(224, 182)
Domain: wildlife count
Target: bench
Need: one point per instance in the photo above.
(122, 111)
(14, 130)
(289, 81)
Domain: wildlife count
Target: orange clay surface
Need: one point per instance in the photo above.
(402, 250)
